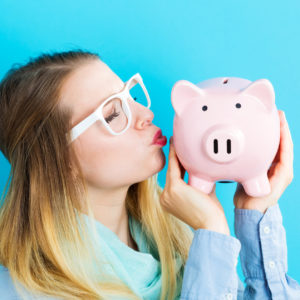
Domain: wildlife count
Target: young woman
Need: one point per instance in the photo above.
(84, 216)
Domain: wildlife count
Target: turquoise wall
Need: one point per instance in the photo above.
(170, 40)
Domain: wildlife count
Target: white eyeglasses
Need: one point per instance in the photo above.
(114, 112)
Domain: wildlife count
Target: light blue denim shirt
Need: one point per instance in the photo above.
(210, 271)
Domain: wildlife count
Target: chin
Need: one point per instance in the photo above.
(156, 164)
(161, 162)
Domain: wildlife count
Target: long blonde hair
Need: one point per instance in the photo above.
(44, 242)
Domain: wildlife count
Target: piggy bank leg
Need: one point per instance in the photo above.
(258, 186)
(201, 184)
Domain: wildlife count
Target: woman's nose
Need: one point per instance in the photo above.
(143, 116)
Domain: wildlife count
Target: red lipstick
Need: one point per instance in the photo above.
(159, 139)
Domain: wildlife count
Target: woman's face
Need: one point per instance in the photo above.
(110, 161)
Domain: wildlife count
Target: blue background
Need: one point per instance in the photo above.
(171, 40)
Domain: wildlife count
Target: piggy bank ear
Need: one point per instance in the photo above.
(263, 90)
(183, 94)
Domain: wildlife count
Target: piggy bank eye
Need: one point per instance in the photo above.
(204, 108)
(238, 105)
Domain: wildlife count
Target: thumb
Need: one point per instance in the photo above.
(174, 171)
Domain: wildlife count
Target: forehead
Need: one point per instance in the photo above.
(87, 86)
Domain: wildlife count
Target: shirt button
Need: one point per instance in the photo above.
(271, 264)
(267, 229)
(229, 296)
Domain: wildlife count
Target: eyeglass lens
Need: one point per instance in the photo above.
(113, 112)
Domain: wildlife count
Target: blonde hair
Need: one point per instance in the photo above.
(44, 241)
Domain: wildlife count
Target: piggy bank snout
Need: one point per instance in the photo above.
(223, 144)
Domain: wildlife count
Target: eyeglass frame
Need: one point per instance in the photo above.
(97, 114)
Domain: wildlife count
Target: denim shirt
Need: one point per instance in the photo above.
(210, 271)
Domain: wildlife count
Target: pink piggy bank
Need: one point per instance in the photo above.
(226, 128)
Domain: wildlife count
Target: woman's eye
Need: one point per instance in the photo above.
(111, 117)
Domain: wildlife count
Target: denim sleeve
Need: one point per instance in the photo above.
(210, 270)
(264, 255)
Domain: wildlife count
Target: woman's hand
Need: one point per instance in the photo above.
(280, 174)
(188, 204)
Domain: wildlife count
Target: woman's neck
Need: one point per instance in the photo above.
(110, 210)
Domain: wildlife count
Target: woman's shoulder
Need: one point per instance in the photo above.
(4, 276)
(2, 268)
(7, 288)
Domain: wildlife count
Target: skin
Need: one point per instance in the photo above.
(110, 164)
(192, 206)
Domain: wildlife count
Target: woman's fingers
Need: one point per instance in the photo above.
(282, 167)
(175, 170)
(182, 169)
(286, 142)
(185, 202)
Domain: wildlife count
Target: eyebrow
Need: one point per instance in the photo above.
(113, 93)
(99, 103)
